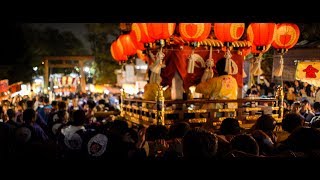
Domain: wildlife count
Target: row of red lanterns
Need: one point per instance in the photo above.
(281, 36)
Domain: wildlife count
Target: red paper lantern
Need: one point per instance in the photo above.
(228, 32)
(159, 31)
(194, 32)
(138, 45)
(127, 44)
(261, 34)
(141, 32)
(287, 35)
(117, 51)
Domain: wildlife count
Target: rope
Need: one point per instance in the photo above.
(208, 73)
(231, 67)
(155, 68)
(256, 68)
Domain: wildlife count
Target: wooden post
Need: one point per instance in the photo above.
(82, 77)
(46, 76)
(160, 106)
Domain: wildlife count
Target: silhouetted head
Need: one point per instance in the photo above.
(265, 123)
(316, 106)
(220, 66)
(29, 115)
(199, 143)
(179, 129)
(292, 121)
(155, 132)
(245, 143)
(304, 139)
(230, 126)
(78, 118)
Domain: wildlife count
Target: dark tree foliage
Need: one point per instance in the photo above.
(28, 44)
(100, 36)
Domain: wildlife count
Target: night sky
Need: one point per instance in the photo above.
(78, 29)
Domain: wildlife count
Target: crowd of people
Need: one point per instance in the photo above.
(68, 129)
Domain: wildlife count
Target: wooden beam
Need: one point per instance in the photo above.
(70, 58)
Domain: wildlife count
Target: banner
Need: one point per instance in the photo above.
(309, 71)
(15, 87)
(4, 85)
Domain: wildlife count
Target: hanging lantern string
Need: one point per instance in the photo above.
(231, 67)
(208, 73)
(155, 68)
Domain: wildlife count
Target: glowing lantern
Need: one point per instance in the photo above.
(138, 45)
(194, 32)
(127, 44)
(261, 34)
(117, 51)
(287, 35)
(228, 32)
(141, 32)
(160, 31)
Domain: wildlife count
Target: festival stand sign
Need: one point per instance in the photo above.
(4, 85)
(309, 71)
(15, 87)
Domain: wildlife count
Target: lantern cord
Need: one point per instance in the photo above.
(208, 73)
(278, 71)
(244, 74)
(231, 67)
(155, 68)
(256, 68)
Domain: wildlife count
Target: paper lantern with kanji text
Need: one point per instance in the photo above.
(287, 35)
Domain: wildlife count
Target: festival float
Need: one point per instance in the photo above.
(183, 70)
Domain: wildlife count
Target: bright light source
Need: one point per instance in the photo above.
(86, 69)
(106, 91)
(73, 75)
(35, 68)
(143, 67)
(38, 80)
